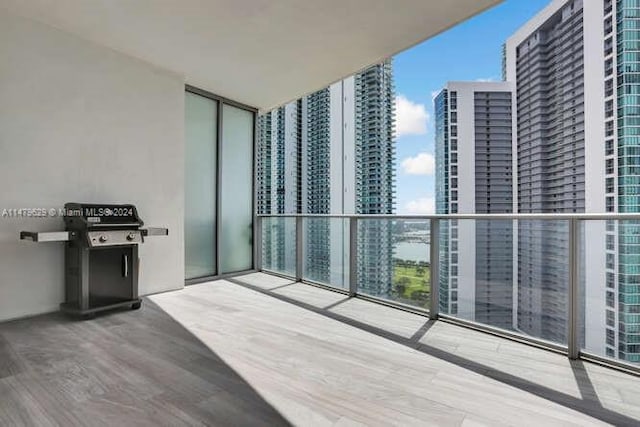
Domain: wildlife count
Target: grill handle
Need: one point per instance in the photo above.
(125, 265)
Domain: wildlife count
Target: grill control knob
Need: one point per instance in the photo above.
(103, 238)
(131, 236)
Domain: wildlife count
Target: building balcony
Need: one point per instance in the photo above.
(259, 349)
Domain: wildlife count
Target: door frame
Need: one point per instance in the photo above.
(218, 187)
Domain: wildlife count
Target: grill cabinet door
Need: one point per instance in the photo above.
(111, 275)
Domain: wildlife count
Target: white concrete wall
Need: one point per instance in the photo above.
(79, 122)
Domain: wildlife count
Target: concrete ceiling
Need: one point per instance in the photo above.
(262, 53)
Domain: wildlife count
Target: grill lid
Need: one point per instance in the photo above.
(84, 216)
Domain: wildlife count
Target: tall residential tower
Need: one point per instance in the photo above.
(474, 175)
(558, 63)
(336, 148)
(575, 75)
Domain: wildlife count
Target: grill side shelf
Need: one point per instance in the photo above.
(155, 231)
(47, 236)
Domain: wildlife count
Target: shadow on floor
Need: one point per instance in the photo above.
(130, 367)
(589, 404)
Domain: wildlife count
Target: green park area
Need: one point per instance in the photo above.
(412, 281)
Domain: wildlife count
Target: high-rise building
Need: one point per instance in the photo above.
(332, 152)
(279, 185)
(621, 50)
(561, 61)
(575, 71)
(474, 175)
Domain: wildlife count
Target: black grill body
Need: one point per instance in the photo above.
(101, 261)
(101, 256)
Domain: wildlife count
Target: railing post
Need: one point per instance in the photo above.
(257, 242)
(299, 248)
(573, 318)
(353, 256)
(434, 261)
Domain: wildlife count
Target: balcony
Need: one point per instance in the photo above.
(263, 350)
(304, 320)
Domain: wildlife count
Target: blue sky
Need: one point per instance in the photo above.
(470, 51)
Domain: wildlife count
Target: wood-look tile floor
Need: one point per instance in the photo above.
(260, 350)
(127, 368)
(322, 359)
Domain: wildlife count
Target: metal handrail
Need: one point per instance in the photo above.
(523, 216)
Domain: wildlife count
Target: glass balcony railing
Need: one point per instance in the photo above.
(567, 282)
(610, 289)
(325, 251)
(393, 261)
(279, 245)
(506, 274)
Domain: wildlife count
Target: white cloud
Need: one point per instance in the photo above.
(422, 206)
(411, 117)
(422, 164)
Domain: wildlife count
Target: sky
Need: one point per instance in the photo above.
(468, 52)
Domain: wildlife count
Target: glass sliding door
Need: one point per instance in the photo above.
(236, 198)
(200, 186)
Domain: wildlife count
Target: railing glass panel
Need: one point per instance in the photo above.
(507, 274)
(610, 289)
(393, 260)
(279, 245)
(326, 251)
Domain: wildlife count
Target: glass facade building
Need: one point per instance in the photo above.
(622, 22)
(333, 152)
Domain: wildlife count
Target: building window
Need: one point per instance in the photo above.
(610, 242)
(609, 147)
(611, 318)
(609, 167)
(610, 204)
(611, 300)
(611, 337)
(610, 280)
(609, 185)
(608, 88)
(608, 129)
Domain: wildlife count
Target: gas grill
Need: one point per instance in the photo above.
(101, 256)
